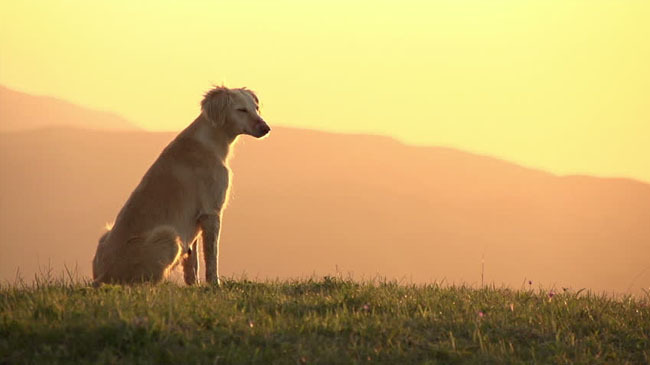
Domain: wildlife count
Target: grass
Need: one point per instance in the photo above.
(324, 321)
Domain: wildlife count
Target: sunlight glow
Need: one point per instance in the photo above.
(554, 84)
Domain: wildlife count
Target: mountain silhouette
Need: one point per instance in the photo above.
(21, 111)
(312, 203)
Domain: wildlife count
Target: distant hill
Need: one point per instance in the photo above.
(21, 111)
(307, 202)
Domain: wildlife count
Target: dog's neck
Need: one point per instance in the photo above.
(213, 138)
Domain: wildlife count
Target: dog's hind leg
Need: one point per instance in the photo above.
(152, 259)
(191, 263)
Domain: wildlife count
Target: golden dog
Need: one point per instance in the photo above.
(179, 201)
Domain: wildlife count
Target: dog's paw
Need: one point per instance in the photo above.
(216, 282)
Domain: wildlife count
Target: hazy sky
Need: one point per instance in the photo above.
(560, 85)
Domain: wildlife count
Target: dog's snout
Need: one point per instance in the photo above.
(263, 128)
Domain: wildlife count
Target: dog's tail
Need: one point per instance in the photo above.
(100, 259)
(150, 258)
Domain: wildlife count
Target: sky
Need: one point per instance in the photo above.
(561, 85)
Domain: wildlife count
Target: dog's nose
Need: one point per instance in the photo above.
(263, 128)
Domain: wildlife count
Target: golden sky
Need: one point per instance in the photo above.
(562, 85)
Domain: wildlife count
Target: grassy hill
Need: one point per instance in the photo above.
(324, 321)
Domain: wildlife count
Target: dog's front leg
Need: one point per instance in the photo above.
(210, 225)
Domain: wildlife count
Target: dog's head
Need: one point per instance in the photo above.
(235, 110)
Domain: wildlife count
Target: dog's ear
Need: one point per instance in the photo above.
(215, 105)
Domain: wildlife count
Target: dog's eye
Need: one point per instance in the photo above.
(242, 110)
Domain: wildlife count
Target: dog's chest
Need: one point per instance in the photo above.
(214, 187)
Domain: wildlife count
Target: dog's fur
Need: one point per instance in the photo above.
(179, 201)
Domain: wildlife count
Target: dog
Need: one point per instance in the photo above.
(178, 204)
